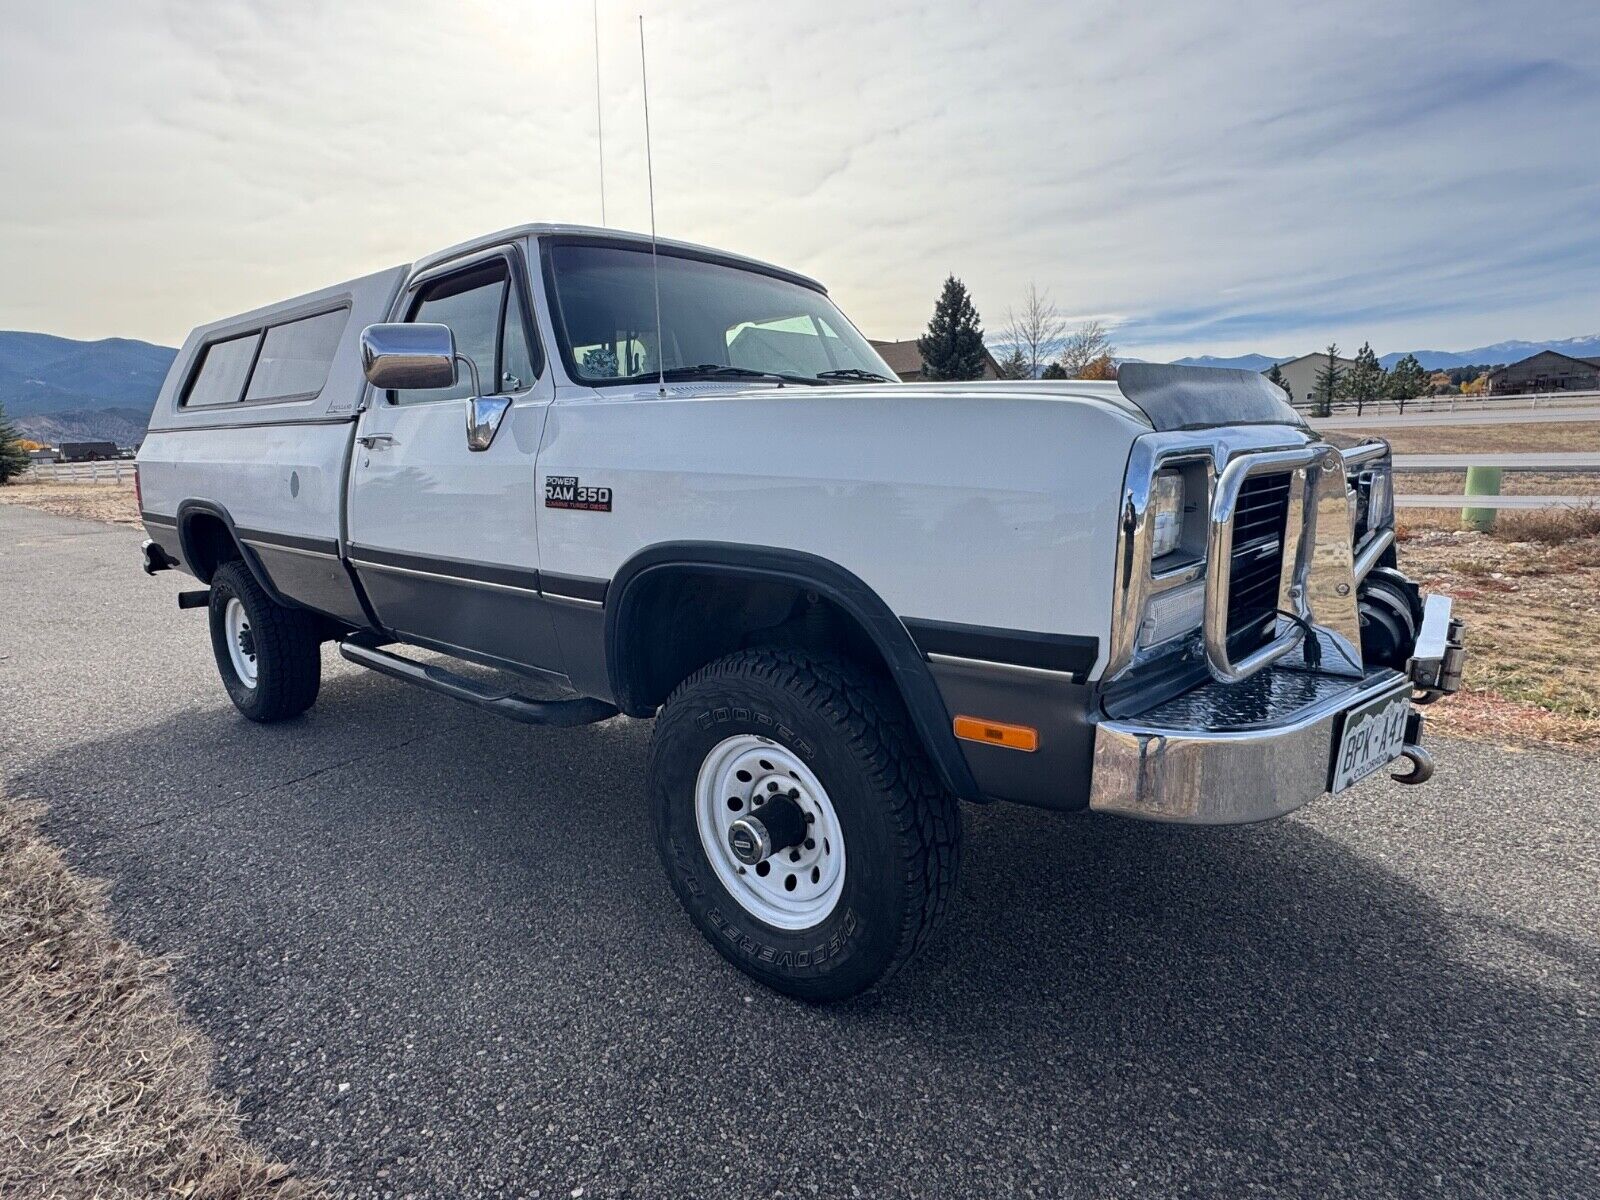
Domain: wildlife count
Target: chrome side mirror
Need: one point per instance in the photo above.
(405, 356)
(484, 414)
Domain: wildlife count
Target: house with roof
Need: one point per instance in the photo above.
(1300, 375)
(1546, 371)
(906, 360)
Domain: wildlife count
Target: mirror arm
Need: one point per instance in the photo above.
(472, 368)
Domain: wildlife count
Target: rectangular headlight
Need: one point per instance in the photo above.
(1172, 614)
(1166, 513)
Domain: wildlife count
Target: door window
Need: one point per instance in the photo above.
(484, 312)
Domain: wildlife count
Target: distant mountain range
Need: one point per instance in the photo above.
(1431, 360)
(56, 389)
(1243, 362)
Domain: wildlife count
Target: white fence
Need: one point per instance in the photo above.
(117, 470)
(1436, 404)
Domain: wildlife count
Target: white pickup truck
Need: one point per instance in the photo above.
(679, 484)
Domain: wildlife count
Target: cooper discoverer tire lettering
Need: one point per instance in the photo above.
(840, 910)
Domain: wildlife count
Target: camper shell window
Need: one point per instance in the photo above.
(296, 357)
(220, 375)
(289, 360)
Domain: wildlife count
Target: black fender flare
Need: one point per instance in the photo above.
(908, 669)
(187, 511)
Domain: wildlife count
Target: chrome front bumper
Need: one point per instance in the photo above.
(1195, 761)
(1229, 754)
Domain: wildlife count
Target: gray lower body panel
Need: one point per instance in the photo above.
(506, 625)
(1056, 775)
(309, 577)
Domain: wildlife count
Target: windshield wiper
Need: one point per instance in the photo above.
(853, 373)
(724, 371)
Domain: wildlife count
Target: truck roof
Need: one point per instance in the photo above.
(556, 229)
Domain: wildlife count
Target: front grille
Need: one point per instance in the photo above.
(1259, 521)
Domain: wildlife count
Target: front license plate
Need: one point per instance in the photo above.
(1372, 738)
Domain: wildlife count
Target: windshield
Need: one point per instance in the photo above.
(713, 318)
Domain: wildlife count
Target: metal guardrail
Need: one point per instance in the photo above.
(1481, 499)
(1567, 462)
(116, 470)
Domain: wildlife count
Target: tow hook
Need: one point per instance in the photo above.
(1411, 750)
(1421, 765)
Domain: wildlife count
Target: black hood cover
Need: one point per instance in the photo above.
(1204, 397)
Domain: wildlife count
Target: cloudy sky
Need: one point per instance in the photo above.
(1205, 177)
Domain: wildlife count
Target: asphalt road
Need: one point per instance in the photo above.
(1484, 415)
(439, 959)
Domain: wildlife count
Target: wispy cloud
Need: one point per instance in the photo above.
(1269, 177)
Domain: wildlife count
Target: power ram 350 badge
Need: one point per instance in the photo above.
(564, 491)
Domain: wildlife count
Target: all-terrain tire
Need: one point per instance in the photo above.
(283, 643)
(901, 828)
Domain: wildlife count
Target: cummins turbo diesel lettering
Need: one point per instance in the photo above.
(848, 603)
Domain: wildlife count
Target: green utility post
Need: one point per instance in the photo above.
(1481, 481)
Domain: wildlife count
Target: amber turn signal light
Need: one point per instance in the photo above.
(997, 733)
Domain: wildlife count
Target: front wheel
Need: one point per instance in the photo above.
(269, 656)
(799, 821)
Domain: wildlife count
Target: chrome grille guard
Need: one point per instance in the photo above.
(1318, 577)
(1313, 466)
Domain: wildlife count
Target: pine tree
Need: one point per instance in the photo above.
(13, 458)
(1015, 365)
(1275, 377)
(953, 346)
(1407, 381)
(1364, 382)
(1329, 385)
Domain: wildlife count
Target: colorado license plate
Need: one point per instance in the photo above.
(1372, 738)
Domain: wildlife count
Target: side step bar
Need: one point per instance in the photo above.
(583, 710)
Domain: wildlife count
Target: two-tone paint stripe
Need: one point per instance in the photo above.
(1065, 655)
(290, 543)
(497, 577)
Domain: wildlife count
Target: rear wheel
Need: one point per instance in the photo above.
(269, 656)
(800, 822)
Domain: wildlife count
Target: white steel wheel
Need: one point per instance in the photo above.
(797, 886)
(241, 641)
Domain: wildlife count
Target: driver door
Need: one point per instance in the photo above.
(443, 536)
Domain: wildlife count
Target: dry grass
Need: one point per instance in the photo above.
(106, 501)
(104, 1088)
(1571, 529)
(1530, 437)
(1530, 594)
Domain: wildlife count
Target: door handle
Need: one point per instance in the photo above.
(369, 440)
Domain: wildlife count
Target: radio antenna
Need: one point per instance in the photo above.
(650, 175)
(599, 117)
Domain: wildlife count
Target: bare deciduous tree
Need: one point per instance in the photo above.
(1083, 346)
(1034, 330)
